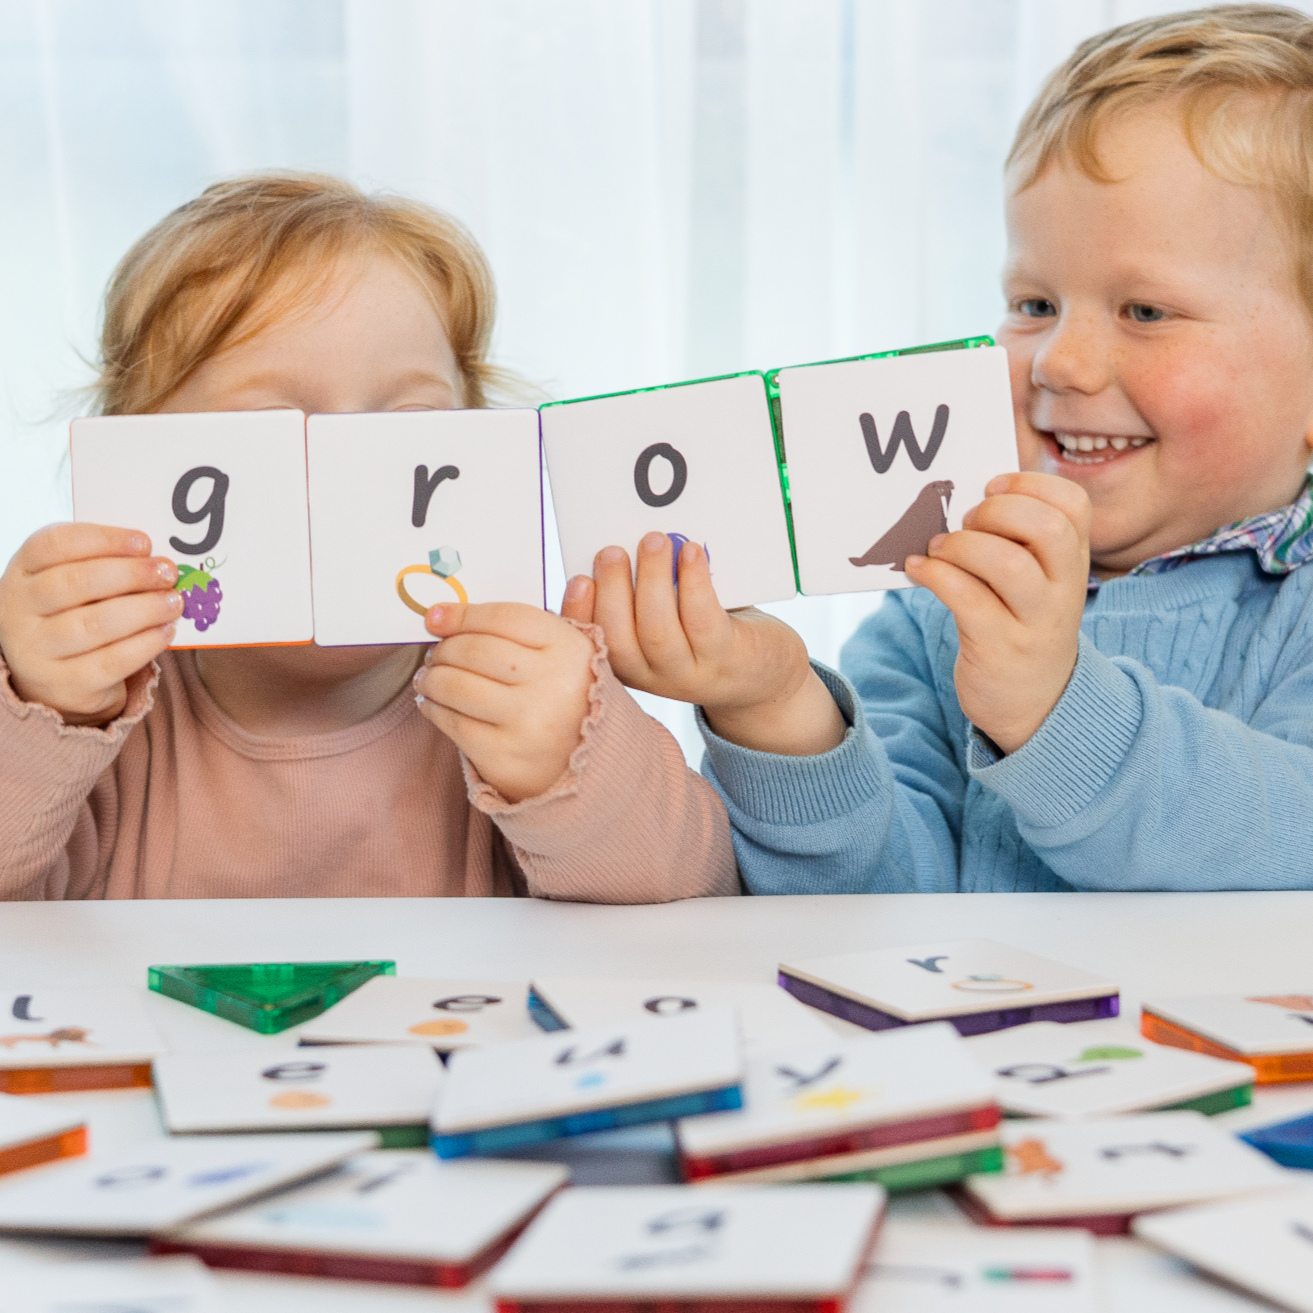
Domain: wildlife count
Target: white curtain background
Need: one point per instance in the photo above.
(667, 189)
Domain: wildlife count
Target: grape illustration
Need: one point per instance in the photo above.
(201, 593)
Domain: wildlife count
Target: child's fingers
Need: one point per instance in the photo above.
(703, 619)
(517, 621)
(87, 629)
(577, 604)
(613, 610)
(57, 543)
(468, 694)
(1004, 566)
(1062, 494)
(107, 667)
(656, 608)
(1043, 529)
(963, 593)
(494, 658)
(78, 583)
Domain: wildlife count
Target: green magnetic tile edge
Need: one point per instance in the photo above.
(307, 989)
(657, 387)
(1211, 1104)
(930, 1172)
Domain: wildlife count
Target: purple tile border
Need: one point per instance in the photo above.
(972, 1023)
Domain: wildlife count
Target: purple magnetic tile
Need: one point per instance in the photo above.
(969, 1023)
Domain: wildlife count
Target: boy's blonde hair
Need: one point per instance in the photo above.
(253, 249)
(1243, 76)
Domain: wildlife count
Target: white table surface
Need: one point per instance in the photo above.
(1150, 943)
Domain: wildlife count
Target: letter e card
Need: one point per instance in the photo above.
(884, 452)
(222, 495)
(695, 461)
(412, 508)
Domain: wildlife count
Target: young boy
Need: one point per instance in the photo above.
(1093, 687)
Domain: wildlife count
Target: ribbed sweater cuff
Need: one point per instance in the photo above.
(783, 790)
(1074, 754)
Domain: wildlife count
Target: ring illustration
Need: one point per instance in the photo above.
(443, 562)
(991, 984)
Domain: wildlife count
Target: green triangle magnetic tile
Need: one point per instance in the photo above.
(265, 996)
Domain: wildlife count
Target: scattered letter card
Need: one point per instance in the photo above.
(635, 1244)
(1101, 1069)
(1277, 1023)
(224, 496)
(146, 1285)
(576, 1081)
(74, 1028)
(805, 1107)
(885, 453)
(414, 508)
(1263, 1244)
(951, 980)
(695, 461)
(298, 1089)
(163, 1183)
(442, 1014)
(401, 1205)
(1119, 1166)
(926, 1269)
(768, 1017)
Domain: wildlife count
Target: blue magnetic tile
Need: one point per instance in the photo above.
(1288, 1143)
(498, 1139)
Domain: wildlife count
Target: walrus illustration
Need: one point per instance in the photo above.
(910, 536)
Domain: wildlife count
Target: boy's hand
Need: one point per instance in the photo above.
(1014, 577)
(83, 607)
(508, 684)
(747, 670)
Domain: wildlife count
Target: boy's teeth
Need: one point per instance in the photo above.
(1086, 442)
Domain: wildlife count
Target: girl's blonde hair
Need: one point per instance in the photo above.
(1243, 78)
(253, 249)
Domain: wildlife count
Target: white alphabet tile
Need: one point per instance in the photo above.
(413, 508)
(1119, 1165)
(179, 1284)
(768, 1017)
(163, 1183)
(938, 1269)
(1262, 1244)
(1100, 1069)
(74, 1028)
(397, 1204)
(695, 461)
(224, 496)
(883, 453)
(1280, 1022)
(640, 1243)
(440, 1014)
(298, 1089)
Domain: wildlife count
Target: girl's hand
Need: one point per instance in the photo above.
(83, 607)
(508, 684)
(746, 669)
(1015, 578)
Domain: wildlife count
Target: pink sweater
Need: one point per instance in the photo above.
(174, 800)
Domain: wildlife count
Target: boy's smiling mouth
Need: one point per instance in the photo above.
(1094, 448)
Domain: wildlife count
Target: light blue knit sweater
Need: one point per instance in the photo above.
(1180, 756)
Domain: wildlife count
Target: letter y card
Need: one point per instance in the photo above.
(412, 508)
(222, 495)
(884, 452)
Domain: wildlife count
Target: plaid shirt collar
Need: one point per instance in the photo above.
(1283, 540)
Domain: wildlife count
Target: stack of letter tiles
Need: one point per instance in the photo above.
(908, 1109)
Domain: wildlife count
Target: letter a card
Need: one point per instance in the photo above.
(413, 508)
(886, 451)
(223, 496)
(695, 461)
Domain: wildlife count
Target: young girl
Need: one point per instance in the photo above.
(506, 760)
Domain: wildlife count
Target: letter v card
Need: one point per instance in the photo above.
(695, 461)
(223, 496)
(886, 451)
(413, 508)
